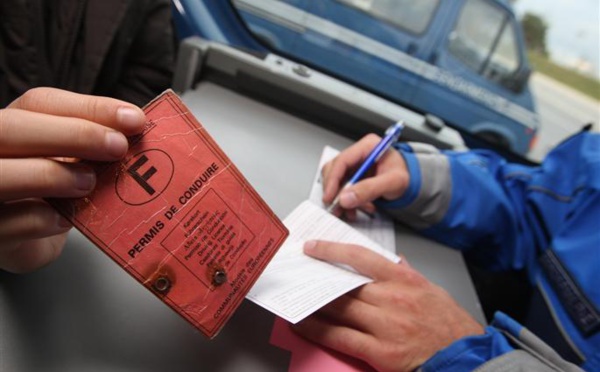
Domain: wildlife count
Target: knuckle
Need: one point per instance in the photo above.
(390, 353)
(84, 135)
(92, 107)
(45, 176)
(351, 346)
(406, 303)
(33, 98)
(6, 119)
(414, 278)
(48, 177)
(397, 270)
(364, 192)
(329, 251)
(27, 220)
(26, 98)
(372, 138)
(355, 254)
(36, 222)
(101, 110)
(398, 299)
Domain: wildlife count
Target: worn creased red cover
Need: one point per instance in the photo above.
(179, 217)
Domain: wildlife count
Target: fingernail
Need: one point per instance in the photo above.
(130, 119)
(348, 199)
(85, 180)
(310, 245)
(116, 144)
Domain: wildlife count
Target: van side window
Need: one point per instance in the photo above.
(410, 15)
(484, 40)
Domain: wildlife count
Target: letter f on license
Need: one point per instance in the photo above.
(142, 179)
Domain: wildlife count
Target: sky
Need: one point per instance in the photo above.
(573, 36)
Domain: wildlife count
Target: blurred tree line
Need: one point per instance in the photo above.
(534, 29)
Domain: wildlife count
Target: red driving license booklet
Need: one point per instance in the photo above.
(180, 218)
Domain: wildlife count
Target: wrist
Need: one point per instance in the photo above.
(414, 184)
(468, 353)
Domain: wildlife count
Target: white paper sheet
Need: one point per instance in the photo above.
(294, 285)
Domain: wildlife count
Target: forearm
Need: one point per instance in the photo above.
(462, 200)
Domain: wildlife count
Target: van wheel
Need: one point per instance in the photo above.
(266, 41)
(495, 139)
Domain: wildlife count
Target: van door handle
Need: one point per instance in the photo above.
(433, 58)
(411, 48)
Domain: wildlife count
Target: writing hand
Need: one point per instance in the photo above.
(387, 179)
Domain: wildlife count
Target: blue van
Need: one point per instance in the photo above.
(463, 61)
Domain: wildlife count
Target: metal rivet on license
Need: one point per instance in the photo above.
(219, 277)
(162, 284)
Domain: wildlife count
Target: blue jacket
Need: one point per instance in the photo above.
(545, 219)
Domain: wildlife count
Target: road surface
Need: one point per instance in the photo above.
(563, 111)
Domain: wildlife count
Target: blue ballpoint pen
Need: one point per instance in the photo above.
(391, 136)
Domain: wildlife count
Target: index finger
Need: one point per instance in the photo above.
(363, 260)
(27, 134)
(120, 115)
(335, 171)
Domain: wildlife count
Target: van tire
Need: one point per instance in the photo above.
(495, 139)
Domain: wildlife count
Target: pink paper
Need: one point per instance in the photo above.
(308, 356)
